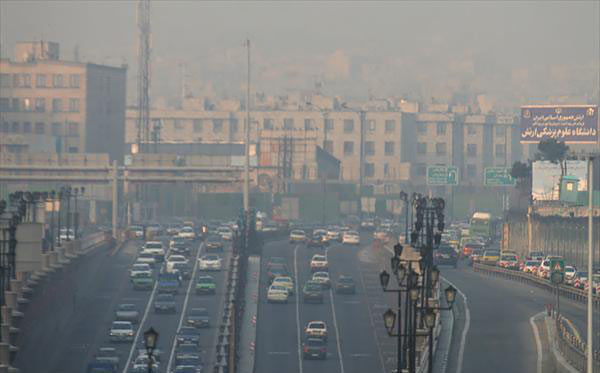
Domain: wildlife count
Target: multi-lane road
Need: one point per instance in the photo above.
(70, 319)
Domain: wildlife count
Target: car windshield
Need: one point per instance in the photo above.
(198, 312)
(153, 245)
(106, 352)
(165, 298)
(314, 342)
(313, 286)
(210, 257)
(205, 280)
(126, 307)
(346, 280)
(188, 331)
(121, 325)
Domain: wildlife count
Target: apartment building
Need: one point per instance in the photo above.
(52, 105)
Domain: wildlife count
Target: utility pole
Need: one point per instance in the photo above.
(247, 142)
(143, 135)
(590, 309)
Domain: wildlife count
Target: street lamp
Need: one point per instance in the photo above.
(389, 320)
(435, 275)
(450, 293)
(384, 279)
(430, 318)
(150, 339)
(404, 198)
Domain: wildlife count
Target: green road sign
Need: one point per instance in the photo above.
(442, 175)
(497, 176)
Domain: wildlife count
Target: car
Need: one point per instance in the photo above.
(536, 255)
(186, 349)
(127, 312)
(509, 261)
(154, 229)
(213, 243)
(472, 245)
(164, 303)
(225, 232)
(146, 257)
(205, 285)
(121, 331)
(275, 260)
(169, 282)
(198, 318)
(316, 329)
(187, 363)
(476, 255)
(173, 229)
(312, 292)
(531, 266)
(297, 235)
(141, 362)
(277, 294)
(142, 281)
(187, 232)
(322, 278)
(351, 238)
(137, 230)
(317, 240)
(188, 334)
(580, 279)
(175, 240)
(345, 285)
(183, 270)
(187, 369)
(319, 263)
(334, 234)
(181, 249)
(277, 270)
(544, 269)
(595, 284)
(314, 348)
(445, 255)
(175, 259)
(108, 355)
(490, 257)
(570, 274)
(285, 281)
(139, 268)
(368, 224)
(381, 235)
(156, 248)
(209, 262)
(101, 367)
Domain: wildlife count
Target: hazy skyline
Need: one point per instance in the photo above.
(509, 50)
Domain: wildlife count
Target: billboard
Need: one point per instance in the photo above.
(576, 124)
(546, 178)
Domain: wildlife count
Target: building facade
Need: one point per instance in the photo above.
(52, 105)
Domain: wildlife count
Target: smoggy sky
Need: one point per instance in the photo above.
(515, 51)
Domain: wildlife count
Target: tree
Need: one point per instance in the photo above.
(555, 152)
(522, 173)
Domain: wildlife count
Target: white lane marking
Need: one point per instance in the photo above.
(299, 339)
(360, 355)
(538, 342)
(183, 309)
(278, 352)
(137, 333)
(335, 325)
(351, 302)
(463, 338)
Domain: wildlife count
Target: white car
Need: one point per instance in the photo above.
(188, 233)
(570, 274)
(277, 293)
(209, 262)
(333, 234)
(286, 282)
(544, 269)
(297, 235)
(138, 268)
(154, 247)
(319, 263)
(322, 278)
(351, 237)
(146, 257)
(316, 329)
(121, 331)
(226, 233)
(141, 363)
(531, 266)
(175, 259)
(175, 240)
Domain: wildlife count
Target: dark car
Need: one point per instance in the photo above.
(188, 335)
(181, 248)
(183, 270)
(194, 360)
(317, 239)
(345, 285)
(277, 270)
(312, 292)
(186, 349)
(213, 243)
(445, 255)
(198, 318)
(164, 303)
(101, 367)
(314, 348)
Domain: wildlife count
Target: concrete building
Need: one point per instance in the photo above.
(52, 105)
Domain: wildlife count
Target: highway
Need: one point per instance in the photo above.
(67, 322)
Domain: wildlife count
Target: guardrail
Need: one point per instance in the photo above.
(564, 291)
(572, 348)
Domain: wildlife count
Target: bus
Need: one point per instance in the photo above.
(482, 224)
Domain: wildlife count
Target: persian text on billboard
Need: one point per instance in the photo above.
(571, 124)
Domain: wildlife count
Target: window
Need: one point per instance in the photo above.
(57, 81)
(471, 129)
(371, 125)
(40, 128)
(390, 126)
(5, 127)
(5, 80)
(420, 169)
(500, 150)
(73, 149)
(217, 125)
(328, 145)
(40, 104)
(421, 148)
(16, 128)
(328, 125)
(56, 129)
(288, 123)
(74, 80)
(309, 124)
(234, 125)
(348, 125)
(500, 130)
(369, 170)
(27, 104)
(267, 123)
(73, 129)
(56, 105)
(74, 105)
(40, 80)
(16, 80)
(422, 128)
(27, 80)
(369, 148)
(16, 104)
(471, 150)
(4, 104)
(26, 127)
(570, 186)
(440, 148)
(389, 148)
(441, 128)
(386, 169)
(348, 147)
(471, 171)
(198, 125)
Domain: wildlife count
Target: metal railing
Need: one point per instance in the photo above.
(573, 348)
